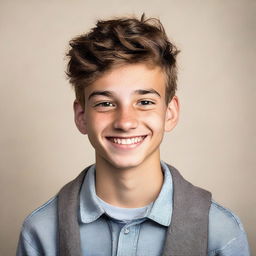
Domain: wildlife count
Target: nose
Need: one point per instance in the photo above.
(125, 119)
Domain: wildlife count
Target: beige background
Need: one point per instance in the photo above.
(213, 145)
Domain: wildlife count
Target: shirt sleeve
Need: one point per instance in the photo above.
(25, 247)
(236, 247)
(227, 236)
(38, 235)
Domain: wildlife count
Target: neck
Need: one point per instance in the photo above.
(129, 188)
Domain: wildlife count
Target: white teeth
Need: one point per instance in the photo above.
(127, 141)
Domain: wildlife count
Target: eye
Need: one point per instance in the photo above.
(104, 104)
(146, 102)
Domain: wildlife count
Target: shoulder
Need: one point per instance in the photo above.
(39, 230)
(43, 215)
(225, 228)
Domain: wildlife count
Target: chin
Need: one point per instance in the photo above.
(125, 163)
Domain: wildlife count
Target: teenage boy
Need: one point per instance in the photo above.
(129, 202)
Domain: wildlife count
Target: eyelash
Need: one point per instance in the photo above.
(111, 104)
(103, 104)
(148, 101)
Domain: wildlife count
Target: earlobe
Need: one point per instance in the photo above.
(79, 116)
(172, 114)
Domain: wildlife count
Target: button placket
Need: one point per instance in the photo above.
(128, 238)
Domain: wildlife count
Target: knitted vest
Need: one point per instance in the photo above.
(187, 235)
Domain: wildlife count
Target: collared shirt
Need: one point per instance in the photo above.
(102, 234)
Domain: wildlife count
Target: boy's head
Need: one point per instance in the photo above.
(118, 42)
(124, 74)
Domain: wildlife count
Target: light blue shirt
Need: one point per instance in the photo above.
(104, 235)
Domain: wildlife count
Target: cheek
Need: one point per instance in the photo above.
(156, 121)
(96, 123)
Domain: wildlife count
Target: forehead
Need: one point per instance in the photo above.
(129, 78)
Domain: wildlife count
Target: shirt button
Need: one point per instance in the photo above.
(126, 231)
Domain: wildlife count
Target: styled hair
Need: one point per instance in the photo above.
(120, 41)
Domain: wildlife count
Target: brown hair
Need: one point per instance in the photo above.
(121, 41)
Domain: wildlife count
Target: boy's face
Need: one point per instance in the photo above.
(125, 115)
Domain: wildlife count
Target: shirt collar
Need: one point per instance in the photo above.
(160, 211)
(90, 209)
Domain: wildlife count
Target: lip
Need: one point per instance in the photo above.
(126, 142)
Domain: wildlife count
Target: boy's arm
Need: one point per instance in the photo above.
(25, 247)
(236, 247)
(38, 233)
(227, 236)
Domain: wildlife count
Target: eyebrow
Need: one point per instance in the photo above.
(149, 91)
(110, 94)
(100, 93)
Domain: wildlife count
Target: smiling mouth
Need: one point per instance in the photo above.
(127, 140)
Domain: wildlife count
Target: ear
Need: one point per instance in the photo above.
(172, 114)
(79, 116)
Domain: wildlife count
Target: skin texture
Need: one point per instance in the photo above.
(127, 102)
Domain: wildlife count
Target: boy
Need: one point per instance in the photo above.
(130, 202)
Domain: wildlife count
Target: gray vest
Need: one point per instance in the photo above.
(187, 234)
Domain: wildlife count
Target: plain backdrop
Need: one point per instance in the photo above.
(213, 145)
